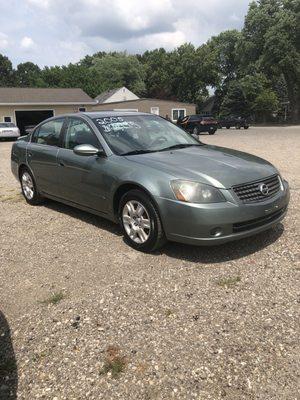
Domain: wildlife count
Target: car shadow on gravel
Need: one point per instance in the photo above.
(8, 365)
(225, 252)
(84, 216)
(199, 254)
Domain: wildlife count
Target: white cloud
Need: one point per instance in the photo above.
(27, 43)
(3, 41)
(62, 31)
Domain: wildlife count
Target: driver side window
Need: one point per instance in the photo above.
(78, 132)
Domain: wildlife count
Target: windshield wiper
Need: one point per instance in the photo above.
(133, 152)
(181, 146)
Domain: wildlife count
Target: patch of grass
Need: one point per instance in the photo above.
(114, 362)
(55, 298)
(169, 312)
(8, 366)
(229, 281)
(38, 356)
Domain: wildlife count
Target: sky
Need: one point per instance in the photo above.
(57, 32)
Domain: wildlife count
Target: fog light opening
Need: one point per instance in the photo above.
(216, 232)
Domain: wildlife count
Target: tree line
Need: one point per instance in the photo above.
(253, 72)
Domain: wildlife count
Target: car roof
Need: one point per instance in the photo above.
(108, 113)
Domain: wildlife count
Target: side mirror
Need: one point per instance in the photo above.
(88, 150)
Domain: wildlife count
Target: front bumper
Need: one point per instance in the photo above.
(201, 224)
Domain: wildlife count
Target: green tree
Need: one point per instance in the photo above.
(271, 44)
(7, 77)
(119, 69)
(28, 74)
(265, 104)
(157, 73)
(235, 102)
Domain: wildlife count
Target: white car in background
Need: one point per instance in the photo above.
(9, 130)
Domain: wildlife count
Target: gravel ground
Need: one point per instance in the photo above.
(83, 316)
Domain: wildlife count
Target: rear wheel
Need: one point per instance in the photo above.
(140, 221)
(227, 127)
(212, 132)
(29, 189)
(246, 127)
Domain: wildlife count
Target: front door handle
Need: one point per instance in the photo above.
(61, 164)
(29, 154)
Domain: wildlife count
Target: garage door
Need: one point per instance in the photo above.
(30, 118)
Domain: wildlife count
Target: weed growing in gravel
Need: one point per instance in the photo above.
(114, 362)
(55, 298)
(169, 312)
(229, 281)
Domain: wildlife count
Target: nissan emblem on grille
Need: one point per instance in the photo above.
(259, 190)
(264, 189)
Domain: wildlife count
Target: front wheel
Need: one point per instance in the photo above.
(212, 132)
(246, 126)
(29, 189)
(140, 221)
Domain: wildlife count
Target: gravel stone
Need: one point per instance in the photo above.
(179, 332)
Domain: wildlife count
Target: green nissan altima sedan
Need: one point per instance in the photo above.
(150, 176)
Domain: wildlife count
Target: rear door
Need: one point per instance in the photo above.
(82, 178)
(42, 155)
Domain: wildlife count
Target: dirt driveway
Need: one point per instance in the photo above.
(83, 316)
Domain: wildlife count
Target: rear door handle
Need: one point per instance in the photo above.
(61, 164)
(29, 154)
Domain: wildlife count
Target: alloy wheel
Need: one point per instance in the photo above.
(136, 221)
(27, 186)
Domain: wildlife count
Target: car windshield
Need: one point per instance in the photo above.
(7, 125)
(137, 134)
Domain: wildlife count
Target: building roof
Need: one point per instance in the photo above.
(19, 95)
(106, 95)
(150, 99)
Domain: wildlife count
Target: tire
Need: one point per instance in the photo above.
(29, 189)
(227, 127)
(246, 127)
(132, 222)
(212, 132)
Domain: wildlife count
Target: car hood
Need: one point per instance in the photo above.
(217, 166)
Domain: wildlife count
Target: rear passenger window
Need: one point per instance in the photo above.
(49, 133)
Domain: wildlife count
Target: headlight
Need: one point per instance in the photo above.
(194, 192)
(281, 180)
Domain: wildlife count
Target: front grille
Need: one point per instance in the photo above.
(255, 223)
(250, 192)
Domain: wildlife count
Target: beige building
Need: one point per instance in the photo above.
(170, 108)
(29, 106)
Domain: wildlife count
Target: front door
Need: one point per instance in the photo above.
(82, 177)
(42, 154)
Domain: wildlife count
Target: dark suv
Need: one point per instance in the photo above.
(198, 123)
(237, 122)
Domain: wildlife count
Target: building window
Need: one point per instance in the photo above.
(154, 110)
(178, 113)
(7, 119)
(81, 109)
